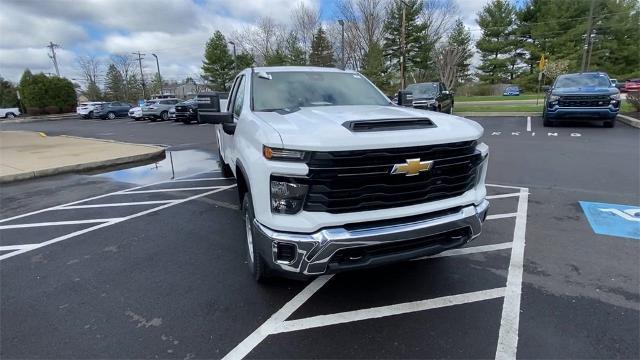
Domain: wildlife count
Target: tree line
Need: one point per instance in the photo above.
(511, 38)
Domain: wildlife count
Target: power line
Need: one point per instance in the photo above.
(144, 87)
(53, 48)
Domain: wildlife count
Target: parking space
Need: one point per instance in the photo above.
(149, 262)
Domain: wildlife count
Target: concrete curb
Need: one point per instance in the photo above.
(492, 113)
(629, 121)
(30, 119)
(157, 154)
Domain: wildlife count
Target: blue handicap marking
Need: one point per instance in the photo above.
(613, 219)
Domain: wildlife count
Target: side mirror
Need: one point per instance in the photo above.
(546, 88)
(229, 128)
(206, 116)
(405, 98)
(446, 92)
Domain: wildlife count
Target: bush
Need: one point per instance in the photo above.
(52, 109)
(633, 97)
(68, 109)
(34, 111)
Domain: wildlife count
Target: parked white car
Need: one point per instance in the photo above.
(135, 113)
(87, 109)
(9, 113)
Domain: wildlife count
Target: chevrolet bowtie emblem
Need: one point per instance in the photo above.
(411, 167)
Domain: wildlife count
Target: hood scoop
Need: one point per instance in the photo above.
(388, 124)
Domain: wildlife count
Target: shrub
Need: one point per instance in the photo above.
(633, 97)
(68, 109)
(34, 111)
(52, 109)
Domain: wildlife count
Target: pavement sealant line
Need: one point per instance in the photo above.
(103, 196)
(508, 335)
(117, 221)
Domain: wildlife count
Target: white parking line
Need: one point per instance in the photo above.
(507, 187)
(468, 250)
(202, 179)
(166, 190)
(384, 311)
(501, 216)
(57, 223)
(114, 204)
(500, 196)
(16, 247)
(509, 323)
(529, 123)
(118, 220)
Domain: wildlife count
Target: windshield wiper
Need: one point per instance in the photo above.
(281, 111)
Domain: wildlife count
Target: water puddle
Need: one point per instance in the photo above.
(175, 164)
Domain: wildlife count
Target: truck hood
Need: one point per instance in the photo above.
(320, 128)
(586, 91)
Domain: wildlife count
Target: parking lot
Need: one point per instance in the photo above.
(148, 262)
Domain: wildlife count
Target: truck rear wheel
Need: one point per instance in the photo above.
(548, 123)
(257, 266)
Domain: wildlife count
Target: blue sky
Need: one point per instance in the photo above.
(176, 30)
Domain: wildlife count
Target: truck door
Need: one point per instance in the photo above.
(234, 106)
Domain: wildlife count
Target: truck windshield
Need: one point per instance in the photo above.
(582, 80)
(424, 89)
(288, 90)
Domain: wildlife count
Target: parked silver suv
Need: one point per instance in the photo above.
(158, 109)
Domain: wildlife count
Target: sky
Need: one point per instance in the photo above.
(175, 30)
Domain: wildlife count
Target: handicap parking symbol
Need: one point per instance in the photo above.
(613, 219)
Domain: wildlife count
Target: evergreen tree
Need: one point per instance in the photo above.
(295, 52)
(276, 57)
(373, 67)
(93, 92)
(218, 63)
(114, 84)
(497, 44)
(8, 96)
(414, 31)
(321, 50)
(134, 93)
(460, 38)
(244, 60)
(156, 84)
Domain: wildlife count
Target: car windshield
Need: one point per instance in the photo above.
(511, 89)
(582, 80)
(424, 89)
(150, 102)
(295, 89)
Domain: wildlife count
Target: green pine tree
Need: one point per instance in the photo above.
(497, 45)
(295, 52)
(321, 50)
(276, 57)
(414, 30)
(244, 60)
(460, 38)
(8, 95)
(374, 68)
(114, 84)
(218, 63)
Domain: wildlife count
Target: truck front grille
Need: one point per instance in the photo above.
(584, 101)
(361, 180)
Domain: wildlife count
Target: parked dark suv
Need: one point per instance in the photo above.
(582, 96)
(113, 110)
(187, 111)
(431, 96)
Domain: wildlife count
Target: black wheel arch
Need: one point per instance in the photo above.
(242, 180)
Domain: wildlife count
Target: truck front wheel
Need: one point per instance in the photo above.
(257, 266)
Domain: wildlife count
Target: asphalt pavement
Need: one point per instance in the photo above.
(160, 273)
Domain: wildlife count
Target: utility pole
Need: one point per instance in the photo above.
(159, 76)
(403, 46)
(53, 48)
(344, 64)
(235, 62)
(587, 40)
(144, 87)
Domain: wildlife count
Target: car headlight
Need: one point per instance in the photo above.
(553, 98)
(282, 154)
(615, 96)
(287, 195)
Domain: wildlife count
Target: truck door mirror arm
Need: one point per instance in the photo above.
(229, 128)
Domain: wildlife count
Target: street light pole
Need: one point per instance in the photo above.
(403, 46)
(344, 64)
(587, 39)
(235, 62)
(159, 76)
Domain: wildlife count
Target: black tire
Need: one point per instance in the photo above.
(164, 116)
(548, 123)
(257, 266)
(111, 115)
(10, 115)
(609, 124)
(225, 169)
(90, 115)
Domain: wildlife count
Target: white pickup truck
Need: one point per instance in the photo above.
(9, 113)
(333, 176)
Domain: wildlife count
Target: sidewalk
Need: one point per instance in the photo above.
(25, 154)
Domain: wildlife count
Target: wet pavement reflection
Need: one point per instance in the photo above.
(175, 164)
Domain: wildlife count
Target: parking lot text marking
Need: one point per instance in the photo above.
(509, 323)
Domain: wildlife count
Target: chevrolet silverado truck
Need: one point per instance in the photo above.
(333, 176)
(582, 96)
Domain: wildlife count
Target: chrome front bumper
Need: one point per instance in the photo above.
(314, 252)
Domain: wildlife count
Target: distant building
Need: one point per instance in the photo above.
(189, 90)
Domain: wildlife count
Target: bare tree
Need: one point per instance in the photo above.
(306, 21)
(447, 59)
(363, 26)
(91, 68)
(438, 16)
(125, 65)
(261, 39)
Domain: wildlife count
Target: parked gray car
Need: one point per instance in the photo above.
(113, 110)
(158, 109)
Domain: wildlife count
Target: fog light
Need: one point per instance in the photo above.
(286, 253)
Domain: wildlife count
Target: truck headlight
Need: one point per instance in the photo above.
(554, 98)
(287, 196)
(282, 154)
(615, 97)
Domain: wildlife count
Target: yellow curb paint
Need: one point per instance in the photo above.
(42, 134)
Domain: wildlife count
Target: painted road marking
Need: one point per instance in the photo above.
(613, 219)
(165, 190)
(501, 216)
(384, 311)
(501, 196)
(529, 123)
(16, 247)
(510, 317)
(114, 204)
(468, 250)
(116, 221)
(57, 223)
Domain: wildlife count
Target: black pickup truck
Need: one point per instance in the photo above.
(187, 111)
